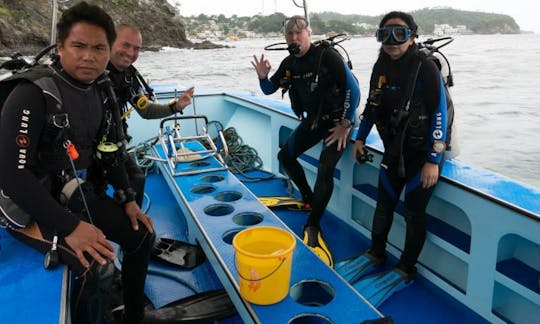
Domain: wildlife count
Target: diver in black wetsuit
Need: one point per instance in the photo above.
(324, 94)
(127, 87)
(414, 138)
(36, 128)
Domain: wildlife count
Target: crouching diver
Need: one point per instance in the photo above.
(407, 103)
(324, 94)
(53, 123)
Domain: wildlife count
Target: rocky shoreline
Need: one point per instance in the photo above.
(25, 26)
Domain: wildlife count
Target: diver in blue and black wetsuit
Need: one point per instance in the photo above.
(407, 103)
(324, 94)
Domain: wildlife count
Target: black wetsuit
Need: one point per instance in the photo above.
(34, 167)
(336, 96)
(390, 87)
(127, 88)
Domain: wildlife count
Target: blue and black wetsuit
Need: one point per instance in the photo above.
(410, 140)
(323, 91)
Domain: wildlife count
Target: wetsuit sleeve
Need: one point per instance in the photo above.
(435, 98)
(367, 118)
(156, 111)
(272, 84)
(23, 119)
(267, 86)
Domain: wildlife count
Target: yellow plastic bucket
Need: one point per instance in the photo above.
(263, 261)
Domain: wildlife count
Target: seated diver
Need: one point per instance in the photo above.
(49, 153)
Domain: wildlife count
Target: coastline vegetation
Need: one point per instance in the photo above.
(331, 22)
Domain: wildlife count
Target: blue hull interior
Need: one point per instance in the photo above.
(481, 261)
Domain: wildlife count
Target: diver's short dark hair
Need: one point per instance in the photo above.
(407, 18)
(84, 12)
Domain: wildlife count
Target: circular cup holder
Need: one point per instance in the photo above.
(213, 178)
(227, 196)
(248, 218)
(203, 189)
(229, 235)
(218, 209)
(310, 319)
(312, 293)
(199, 164)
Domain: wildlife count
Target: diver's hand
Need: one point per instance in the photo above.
(358, 150)
(340, 135)
(430, 175)
(134, 213)
(262, 66)
(88, 238)
(185, 99)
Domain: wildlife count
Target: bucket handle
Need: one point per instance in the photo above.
(264, 277)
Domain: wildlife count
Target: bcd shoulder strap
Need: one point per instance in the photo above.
(11, 215)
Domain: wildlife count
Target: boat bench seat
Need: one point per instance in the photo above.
(436, 226)
(28, 292)
(217, 206)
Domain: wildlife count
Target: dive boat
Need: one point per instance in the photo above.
(480, 262)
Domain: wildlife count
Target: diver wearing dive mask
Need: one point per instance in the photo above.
(407, 105)
(324, 95)
(293, 27)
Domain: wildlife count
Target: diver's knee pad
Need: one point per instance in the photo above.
(90, 294)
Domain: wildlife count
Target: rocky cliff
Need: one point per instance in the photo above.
(25, 26)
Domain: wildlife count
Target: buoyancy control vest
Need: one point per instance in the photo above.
(311, 86)
(409, 113)
(58, 128)
(130, 86)
(398, 101)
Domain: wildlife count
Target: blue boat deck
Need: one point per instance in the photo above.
(213, 220)
(432, 304)
(29, 293)
(25, 275)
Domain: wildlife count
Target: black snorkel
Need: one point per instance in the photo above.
(294, 49)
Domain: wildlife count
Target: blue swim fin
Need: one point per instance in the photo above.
(357, 267)
(379, 287)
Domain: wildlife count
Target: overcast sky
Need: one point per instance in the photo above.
(525, 12)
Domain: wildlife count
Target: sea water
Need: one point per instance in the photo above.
(496, 93)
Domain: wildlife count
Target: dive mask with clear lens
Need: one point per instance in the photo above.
(295, 23)
(393, 34)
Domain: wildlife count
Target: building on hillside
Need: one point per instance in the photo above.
(445, 29)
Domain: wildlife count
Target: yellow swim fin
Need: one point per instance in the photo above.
(283, 201)
(313, 239)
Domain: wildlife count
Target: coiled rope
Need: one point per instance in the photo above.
(147, 165)
(242, 158)
(140, 150)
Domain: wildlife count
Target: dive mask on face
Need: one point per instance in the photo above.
(293, 49)
(393, 34)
